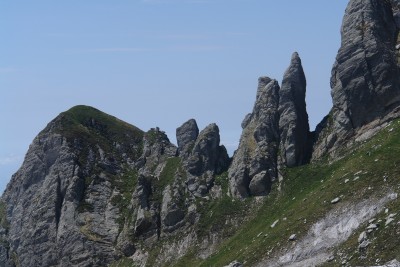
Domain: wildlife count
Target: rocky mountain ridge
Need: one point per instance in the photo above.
(96, 191)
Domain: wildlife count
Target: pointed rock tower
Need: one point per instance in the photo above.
(254, 165)
(293, 122)
(275, 135)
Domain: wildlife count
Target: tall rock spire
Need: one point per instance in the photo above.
(293, 121)
(254, 165)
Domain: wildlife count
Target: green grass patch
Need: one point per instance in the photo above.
(216, 214)
(167, 175)
(222, 181)
(86, 127)
(126, 184)
(172, 168)
(84, 207)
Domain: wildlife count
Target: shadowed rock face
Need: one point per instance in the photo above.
(365, 76)
(293, 121)
(396, 11)
(254, 165)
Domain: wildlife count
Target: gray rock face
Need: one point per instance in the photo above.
(206, 159)
(60, 204)
(91, 186)
(279, 122)
(186, 135)
(365, 76)
(254, 165)
(396, 16)
(393, 263)
(156, 149)
(396, 11)
(293, 121)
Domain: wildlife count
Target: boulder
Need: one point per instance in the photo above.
(235, 264)
(293, 237)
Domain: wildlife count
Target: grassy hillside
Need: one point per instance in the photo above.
(370, 170)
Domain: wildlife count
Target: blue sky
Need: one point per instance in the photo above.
(155, 62)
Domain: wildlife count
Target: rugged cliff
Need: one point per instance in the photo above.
(93, 187)
(96, 191)
(365, 77)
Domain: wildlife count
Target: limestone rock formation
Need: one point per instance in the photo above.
(93, 190)
(276, 134)
(365, 77)
(186, 136)
(61, 204)
(91, 187)
(156, 149)
(206, 159)
(254, 165)
(396, 11)
(293, 121)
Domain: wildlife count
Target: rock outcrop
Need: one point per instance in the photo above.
(156, 150)
(293, 121)
(91, 187)
(275, 135)
(206, 158)
(396, 12)
(254, 165)
(365, 77)
(186, 136)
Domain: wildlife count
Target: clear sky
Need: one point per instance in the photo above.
(155, 62)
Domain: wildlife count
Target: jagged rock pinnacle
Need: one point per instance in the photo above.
(293, 121)
(254, 165)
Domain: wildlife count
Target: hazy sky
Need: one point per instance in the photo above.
(155, 62)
